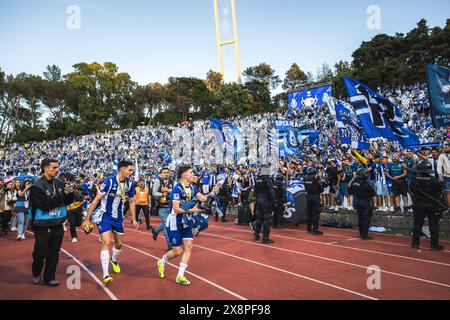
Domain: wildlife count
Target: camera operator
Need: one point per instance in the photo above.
(7, 207)
(48, 199)
(161, 191)
(75, 209)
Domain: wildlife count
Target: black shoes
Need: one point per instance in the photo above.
(317, 233)
(52, 283)
(268, 241)
(155, 234)
(366, 238)
(256, 237)
(415, 246)
(437, 248)
(36, 280)
(149, 227)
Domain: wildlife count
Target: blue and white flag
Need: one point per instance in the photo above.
(439, 95)
(228, 136)
(378, 116)
(289, 140)
(308, 98)
(115, 167)
(350, 130)
(166, 157)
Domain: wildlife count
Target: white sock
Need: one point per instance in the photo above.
(164, 259)
(104, 258)
(182, 269)
(115, 254)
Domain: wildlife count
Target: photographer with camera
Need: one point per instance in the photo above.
(363, 192)
(161, 191)
(426, 193)
(7, 207)
(75, 209)
(48, 199)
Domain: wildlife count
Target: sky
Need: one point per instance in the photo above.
(155, 39)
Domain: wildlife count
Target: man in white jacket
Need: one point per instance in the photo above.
(443, 169)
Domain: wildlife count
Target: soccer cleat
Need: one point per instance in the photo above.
(107, 280)
(115, 266)
(183, 281)
(160, 269)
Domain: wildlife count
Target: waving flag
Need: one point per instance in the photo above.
(308, 98)
(350, 130)
(378, 115)
(439, 95)
(115, 167)
(166, 157)
(228, 136)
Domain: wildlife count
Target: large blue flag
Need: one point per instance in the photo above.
(378, 115)
(350, 130)
(308, 98)
(439, 94)
(228, 136)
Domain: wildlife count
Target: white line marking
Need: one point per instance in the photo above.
(93, 276)
(291, 273)
(330, 259)
(277, 269)
(172, 265)
(349, 248)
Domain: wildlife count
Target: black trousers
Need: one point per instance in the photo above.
(421, 210)
(46, 251)
(313, 212)
(75, 220)
(264, 217)
(278, 215)
(6, 218)
(146, 211)
(364, 211)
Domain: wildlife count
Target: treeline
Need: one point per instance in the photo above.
(97, 97)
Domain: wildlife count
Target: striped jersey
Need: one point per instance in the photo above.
(114, 197)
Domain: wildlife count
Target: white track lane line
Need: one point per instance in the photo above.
(344, 247)
(278, 269)
(327, 234)
(93, 276)
(172, 265)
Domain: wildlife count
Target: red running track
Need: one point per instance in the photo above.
(227, 265)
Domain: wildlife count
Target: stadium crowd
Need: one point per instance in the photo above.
(87, 160)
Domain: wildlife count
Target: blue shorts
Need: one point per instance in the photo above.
(446, 184)
(107, 224)
(177, 237)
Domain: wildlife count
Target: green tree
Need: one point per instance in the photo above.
(262, 73)
(104, 96)
(295, 77)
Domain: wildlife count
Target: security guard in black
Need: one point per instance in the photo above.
(313, 188)
(363, 193)
(426, 190)
(265, 198)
